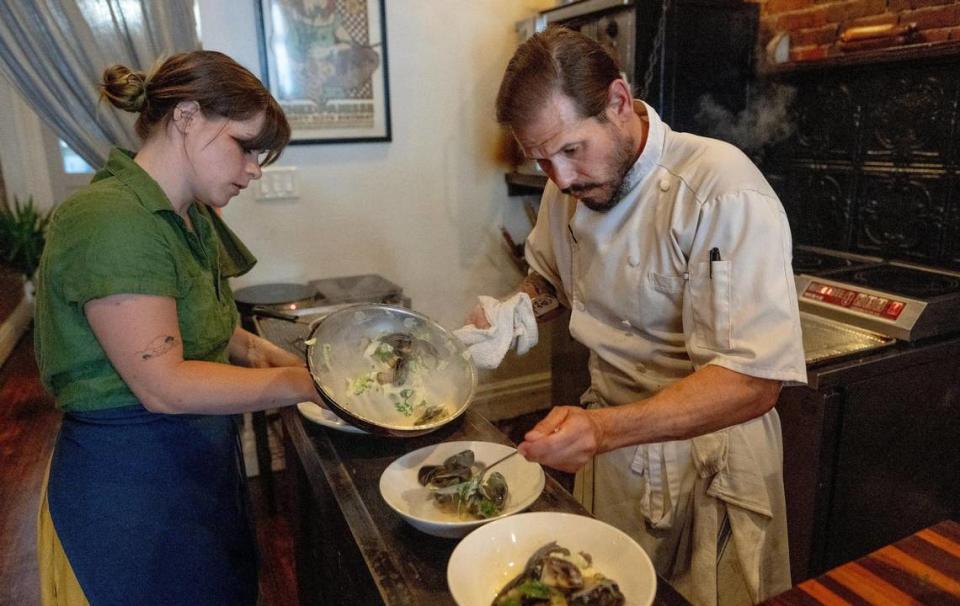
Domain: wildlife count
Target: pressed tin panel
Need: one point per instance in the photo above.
(825, 200)
(951, 234)
(910, 118)
(819, 135)
(874, 161)
(902, 215)
(818, 203)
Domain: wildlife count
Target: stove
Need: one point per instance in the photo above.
(830, 338)
(817, 261)
(906, 280)
(879, 414)
(907, 302)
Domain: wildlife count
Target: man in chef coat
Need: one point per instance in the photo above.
(673, 254)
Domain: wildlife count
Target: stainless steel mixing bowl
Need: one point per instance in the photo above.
(364, 377)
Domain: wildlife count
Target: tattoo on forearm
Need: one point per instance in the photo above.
(539, 284)
(542, 294)
(256, 356)
(158, 347)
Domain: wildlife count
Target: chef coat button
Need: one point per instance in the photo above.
(664, 185)
(579, 305)
(633, 260)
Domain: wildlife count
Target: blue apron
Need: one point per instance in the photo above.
(153, 508)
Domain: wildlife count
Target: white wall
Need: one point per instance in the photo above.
(423, 210)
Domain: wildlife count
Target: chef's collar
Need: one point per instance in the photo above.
(652, 149)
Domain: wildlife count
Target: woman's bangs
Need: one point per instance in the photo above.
(274, 135)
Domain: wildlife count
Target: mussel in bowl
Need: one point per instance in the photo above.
(556, 577)
(458, 486)
(403, 484)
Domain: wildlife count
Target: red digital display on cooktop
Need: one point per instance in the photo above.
(882, 307)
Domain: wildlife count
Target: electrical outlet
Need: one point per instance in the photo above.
(278, 183)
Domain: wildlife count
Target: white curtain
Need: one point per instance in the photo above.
(54, 52)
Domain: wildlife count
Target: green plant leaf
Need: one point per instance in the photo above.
(22, 235)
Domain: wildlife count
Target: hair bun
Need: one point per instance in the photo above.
(124, 88)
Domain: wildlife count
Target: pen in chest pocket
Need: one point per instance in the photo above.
(714, 256)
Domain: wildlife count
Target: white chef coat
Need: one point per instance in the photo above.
(647, 301)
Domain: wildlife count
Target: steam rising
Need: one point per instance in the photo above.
(764, 122)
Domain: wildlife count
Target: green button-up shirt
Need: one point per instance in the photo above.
(120, 235)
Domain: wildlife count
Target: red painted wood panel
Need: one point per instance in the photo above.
(922, 569)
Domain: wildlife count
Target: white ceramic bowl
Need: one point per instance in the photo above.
(493, 555)
(404, 494)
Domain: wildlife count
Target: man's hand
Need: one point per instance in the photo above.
(543, 298)
(478, 318)
(710, 399)
(565, 439)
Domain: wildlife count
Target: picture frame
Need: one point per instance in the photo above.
(325, 61)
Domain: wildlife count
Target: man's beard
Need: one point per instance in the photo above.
(623, 158)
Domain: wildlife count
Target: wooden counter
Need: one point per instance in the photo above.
(350, 547)
(923, 568)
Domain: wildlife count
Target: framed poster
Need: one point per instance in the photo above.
(325, 61)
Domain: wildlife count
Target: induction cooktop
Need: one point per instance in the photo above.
(817, 261)
(905, 301)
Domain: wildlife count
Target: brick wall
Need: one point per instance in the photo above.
(815, 26)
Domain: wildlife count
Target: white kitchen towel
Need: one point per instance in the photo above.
(511, 321)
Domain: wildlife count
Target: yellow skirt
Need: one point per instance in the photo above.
(58, 584)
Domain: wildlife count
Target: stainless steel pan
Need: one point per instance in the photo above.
(253, 300)
(390, 370)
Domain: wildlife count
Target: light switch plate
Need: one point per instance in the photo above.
(277, 183)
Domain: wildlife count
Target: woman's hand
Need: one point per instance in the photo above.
(248, 349)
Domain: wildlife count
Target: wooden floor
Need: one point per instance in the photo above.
(28, 427)
(11, 287)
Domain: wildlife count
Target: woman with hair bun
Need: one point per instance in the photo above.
(137, 338)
